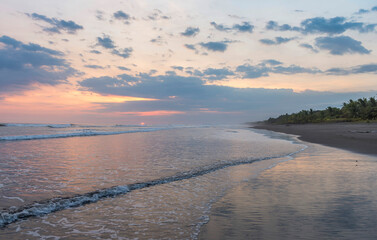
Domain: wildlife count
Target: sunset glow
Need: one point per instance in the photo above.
(153, 113)
(171, 59)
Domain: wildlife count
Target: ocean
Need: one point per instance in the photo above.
(67, 181)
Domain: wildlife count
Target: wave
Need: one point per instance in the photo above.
(132, 125)
(37, 125)
(60, 125)
(81, 133)
(90, 126)
(8, 216)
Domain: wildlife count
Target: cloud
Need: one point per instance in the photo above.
(217, 73)
(247, 71)
(220, 27)
(157, 15)
(214, 46)
(190, 32)
(322, 25)
(336, 25)
(263, 70)
(124, 68)
(120, 15)
(161, 86)
(366, 68)
(267, 41)
(364, 11)
(94, 66)
(29, 47)
(177, 68)
(273, 25)
(340, 45)
(243, 27)
(272, 62)
(95, 52)
(158, 40)
(123, 52)
(170, 73)
(190, 46)
(194, 72)
(22, 65)
(308, 46)
(280, 40)
(265, 67)
(235, 16)
(193, 96)
(294, 69)
(99, 15)
(56, 25)
(153, 113)
(106, 42)
(277, 41)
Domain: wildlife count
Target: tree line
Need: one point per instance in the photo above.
(362, 109)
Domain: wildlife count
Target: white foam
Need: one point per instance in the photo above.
(122, 125)
(38, 125)
(79, 133)
(57, 204)
(15, 198)
(60, 125)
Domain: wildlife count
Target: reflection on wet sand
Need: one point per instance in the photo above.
(324, 193)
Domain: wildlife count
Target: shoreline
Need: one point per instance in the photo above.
(321, 193)
(356, 137)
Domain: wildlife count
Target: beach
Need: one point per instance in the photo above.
(160, 120)
(324, 192)
(356, 137)
(321, 193)
(180, 182)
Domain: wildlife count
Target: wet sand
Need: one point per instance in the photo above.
(356, 137)
(322, 193)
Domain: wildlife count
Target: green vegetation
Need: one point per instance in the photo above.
(361, 110)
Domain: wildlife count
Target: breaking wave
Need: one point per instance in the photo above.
(37, 125)
(80, 133)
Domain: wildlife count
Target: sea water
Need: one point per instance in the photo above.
(125, 182)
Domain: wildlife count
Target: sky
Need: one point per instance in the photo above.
(182, 62)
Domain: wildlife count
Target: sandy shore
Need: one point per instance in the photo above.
(322, 193)
(356, 137)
